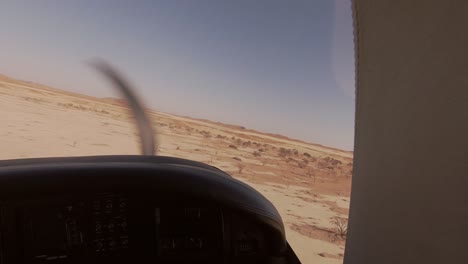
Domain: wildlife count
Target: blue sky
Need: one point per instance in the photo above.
(280, 66)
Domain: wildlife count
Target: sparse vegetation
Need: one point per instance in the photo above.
(257, 154)
(233, 146)
(332, 161)
(284, 152)
(206, 134)
(340, 226)
(307, 154)
(83, 108)
(237, 158)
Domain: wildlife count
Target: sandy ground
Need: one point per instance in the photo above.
(308, 183)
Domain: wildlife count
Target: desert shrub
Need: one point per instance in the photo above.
(237, 158)
(284, 152)
(206, 134)
(332, 161)
(233, 146)
(307, 154)
(247, 143)
(340, 226)
(257, 154)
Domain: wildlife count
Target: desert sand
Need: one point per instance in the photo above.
(308, 183)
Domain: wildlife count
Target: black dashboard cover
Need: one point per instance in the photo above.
(22, 177)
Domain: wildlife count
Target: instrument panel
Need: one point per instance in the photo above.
(110, 227)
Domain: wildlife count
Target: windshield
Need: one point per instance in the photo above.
(263, 90)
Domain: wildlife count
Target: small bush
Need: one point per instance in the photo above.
(340, 225)
(284, 152)
(332, 161)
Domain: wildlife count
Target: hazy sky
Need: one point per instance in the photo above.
(281, 66)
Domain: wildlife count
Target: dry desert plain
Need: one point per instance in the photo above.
(308, 183)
